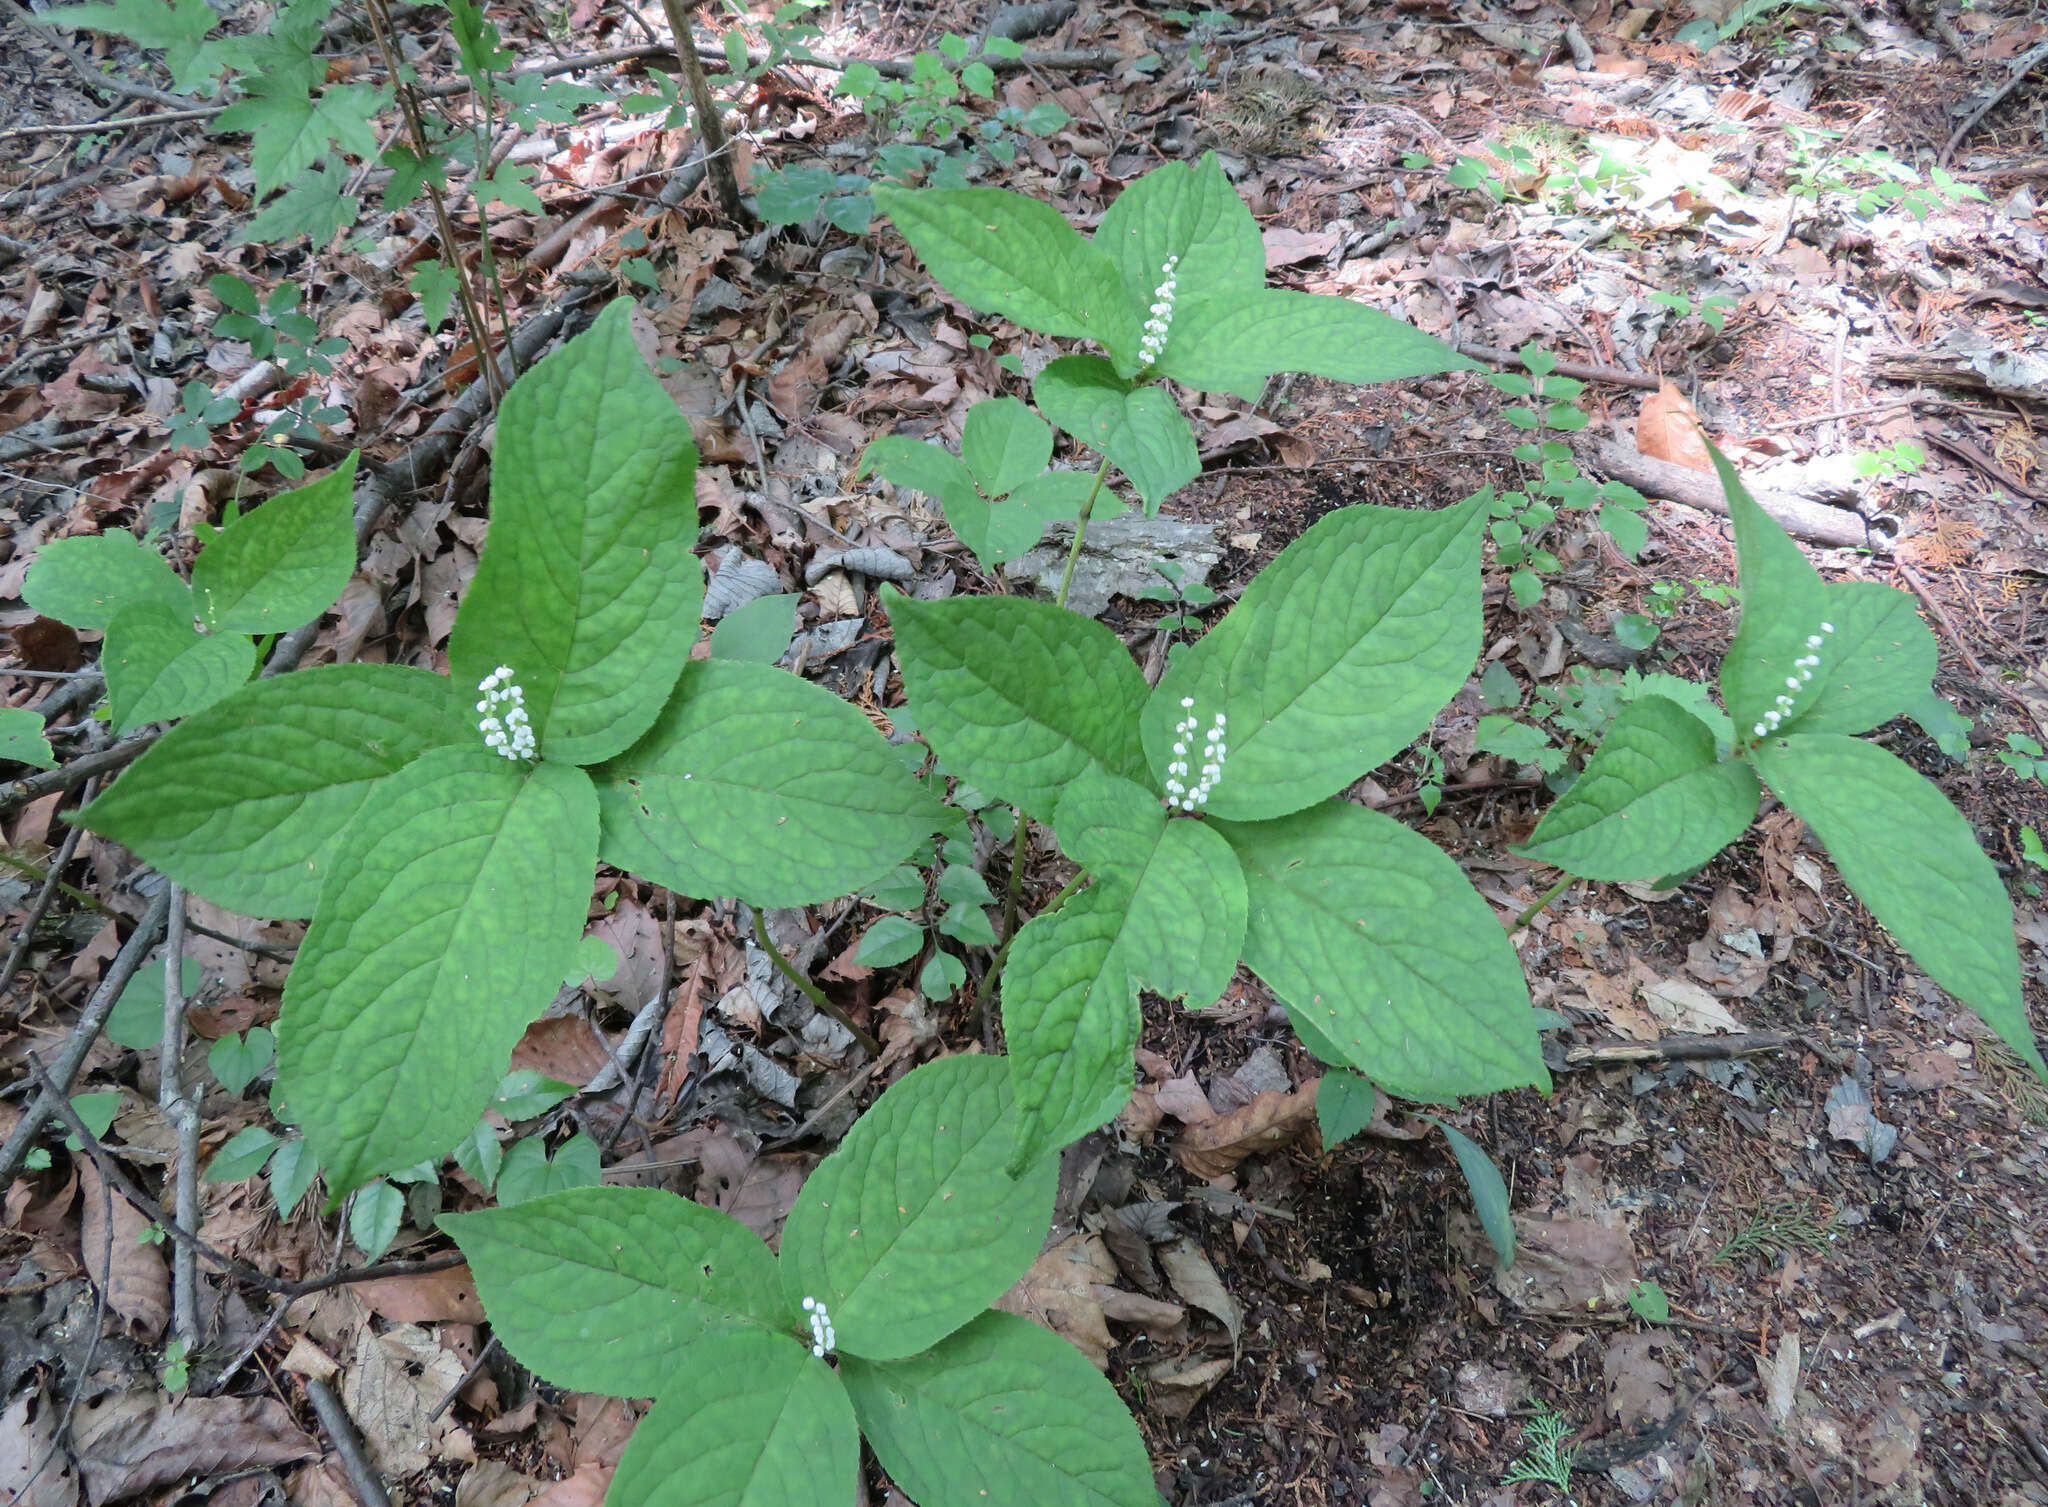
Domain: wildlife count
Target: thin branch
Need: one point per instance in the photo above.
(810, 990)
(179, 1109)
(341, 1433)
(25, 938)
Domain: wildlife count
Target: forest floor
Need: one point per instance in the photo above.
(1315, 1327)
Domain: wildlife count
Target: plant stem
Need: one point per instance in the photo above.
(180, 1110)
(1081, 530)
(710, 129)
(995, 966)
(811, 991)
(1539, 907)
(1016, 890)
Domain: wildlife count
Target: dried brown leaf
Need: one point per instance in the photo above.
(429, 1298)
(1060, 1293)
(1270, 1121)
(127, 1268)
(1193, 1276)
(30, 1476)
(128, 1443)
(1668, 429)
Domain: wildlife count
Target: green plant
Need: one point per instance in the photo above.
(1894, 460)
(1334, 658)
(2024, 757)
(1666, 597)
(1871, 180)
(2031, 849)
(1704, 33)
(1496, 174)
(1550, 1458)
(443, 846)
(1185, 596)
(172, 649)
(1812, 665)
(939, 141)
(954, 905)
(874, 1319)
(1522, 518)
(1777, 1229)
(1712, 310)
(177, 1367)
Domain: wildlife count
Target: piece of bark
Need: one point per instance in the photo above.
(1803, 519)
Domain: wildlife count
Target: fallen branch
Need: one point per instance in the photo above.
(2025, 65)
(1813, 521)
(1572, 369)
(1677, 1049)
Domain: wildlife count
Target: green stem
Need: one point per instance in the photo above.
(811, 991)
(1016, 876)
(1541, 905)
(30, 871)
(995, 966)
(1081, 530)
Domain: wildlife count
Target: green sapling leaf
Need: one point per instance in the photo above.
(1379, 946)
(23, 740)
(157, 667)
(1912, 858)
(450, 915)
(1339, 654)
(666, 1274)
(137, 1019)
(747, 1419)
(85, 580)
(912, 1226)
(1489, 1191)
(291, 1172)
(758, 633)
(1019, 696)
(245, 802)
(284, 564)
(243, 1155)
(1653, 800)
(1002, 1412)
(759, 784)
(528, 1172)
(587, 587)
(237, 1060)
(373, 1217)
(1003, 253)
(1345, 1105)
(1190, 214)
(1139, 429)
(1004, 444)
(1071, 1020)
(1232, 341)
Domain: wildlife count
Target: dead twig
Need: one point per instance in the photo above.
(2022, 66)
(183, 1114)
(1678, 1049)
(1579, 372)
(348, 1444)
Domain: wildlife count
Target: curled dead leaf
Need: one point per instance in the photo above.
(128, 1443)
(1668, 429)
(125, 1266)
(1270, 1121)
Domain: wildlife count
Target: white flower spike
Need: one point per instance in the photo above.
(824, 1338)
(511, 734)
(1214, 750)
(1153, 344)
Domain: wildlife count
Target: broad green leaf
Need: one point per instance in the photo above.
(1650, 1301)
(312, 205)
(1071, 1020)
(587, 586)
(1912, 858)
(23, 740)
(291, 1173)
(526, 1094)
(1654, 800)
(1191, 212)
(292, 129)
(1017, 523)
(1339, 654)
(449, 918)
(758, 633)
(1376, 942)
(1489, 1191)
(1001, 1414)
(1345, 1104)
(1782, 606)
(157, 667)
(179, 27)
(1019, 696)
(1004, 444)
(242, 1155)
(890, 941)
(759, 784)
(373, 1217)
(1007, 254)
(912, 1226)
(1877, 664)
(237, 1060)
(1184, 901)
(283, 565)
(137, 1019)
(245, 802)
(1233, 341)
(747, 1419)
(85, 580)
(610, 1289)
(529, 1172)
(1140, 430)
(95, 1112)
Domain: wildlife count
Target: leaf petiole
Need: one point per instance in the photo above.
(1081, 530)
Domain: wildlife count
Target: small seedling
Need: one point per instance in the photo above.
(1550, 1458)
(1895, 460)
(2024, 757)
(1776, 1230)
